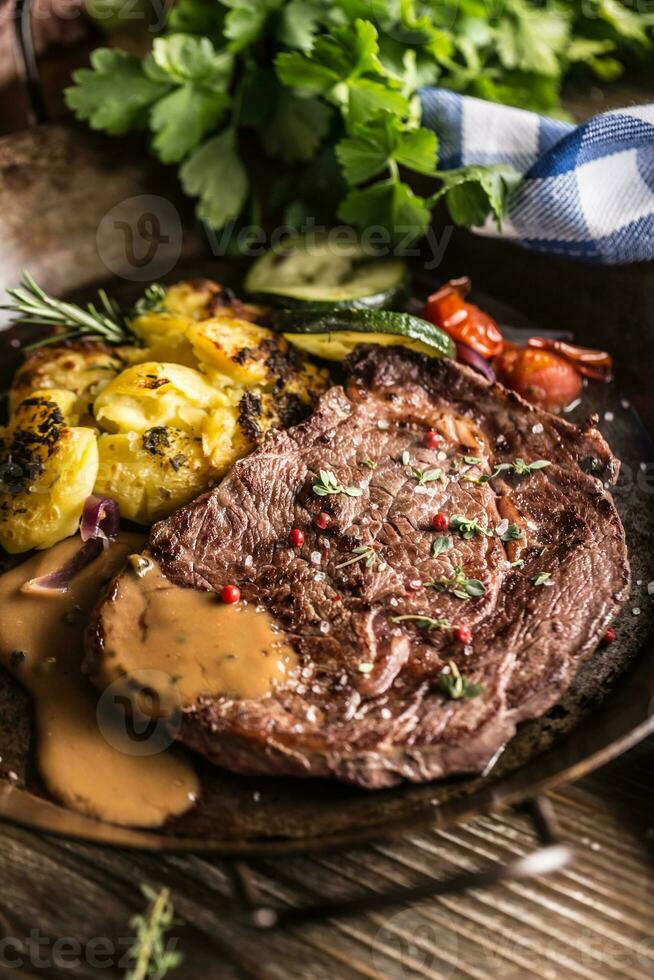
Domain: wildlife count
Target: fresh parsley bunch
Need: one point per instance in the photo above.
(288, 109)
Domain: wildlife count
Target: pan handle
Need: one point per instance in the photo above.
(27, 54)
(551, 855)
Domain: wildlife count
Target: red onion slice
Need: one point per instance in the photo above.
(98, 527)
(474, 360)
(60, 579)
(100, 519)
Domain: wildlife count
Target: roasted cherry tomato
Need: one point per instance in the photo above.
(543, 378)
(595, 364)
(463, 321)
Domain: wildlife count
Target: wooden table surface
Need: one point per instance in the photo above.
(68, 905)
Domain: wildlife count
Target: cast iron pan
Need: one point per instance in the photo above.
(59, 191)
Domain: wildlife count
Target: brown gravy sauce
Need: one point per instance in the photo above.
(193, 643)
(41, 644)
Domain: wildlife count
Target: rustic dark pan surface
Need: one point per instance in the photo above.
(248, 814)
(71, 246)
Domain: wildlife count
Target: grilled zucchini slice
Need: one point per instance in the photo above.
(324, 274)
(333, 336)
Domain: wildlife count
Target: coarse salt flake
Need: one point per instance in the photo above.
(636, 611)
(538, 428)
(502, 527)
(383, 424)
(608, 416)
(315, 557)
(364, 668)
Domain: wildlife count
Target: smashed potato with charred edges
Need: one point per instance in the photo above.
(83, 369)
(150, 426)
(48, 467)
(152, 473)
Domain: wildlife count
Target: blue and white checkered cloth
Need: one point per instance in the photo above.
(587, 191)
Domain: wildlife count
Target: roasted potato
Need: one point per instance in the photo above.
(232, 350)
(48, 467)
(164, 336)
(83, 368)
(201, 299)
(155, 393)
(150, 474)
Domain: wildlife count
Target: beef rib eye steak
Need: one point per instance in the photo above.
(454, 592)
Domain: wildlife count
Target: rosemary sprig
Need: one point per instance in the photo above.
(457, 686)
(30, 304)
(152, 301)
(150, 957)
(326, 484)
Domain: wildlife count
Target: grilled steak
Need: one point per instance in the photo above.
(377, 697)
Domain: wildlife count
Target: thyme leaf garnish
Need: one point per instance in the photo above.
(148, 953)
(521, 468)
(518, 466)
(441, 545)
(458, 585)
(326, 484)
(468, 528)
(512, 533)
(472, 460)
(542, 578)
(364, 553)
(456, 686)
(424, 622)
(369, 463)
(427, 476)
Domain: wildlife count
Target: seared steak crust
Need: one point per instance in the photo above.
(368, 704)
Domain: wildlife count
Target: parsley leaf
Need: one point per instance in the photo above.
(114, 94)
(390, 203)
(183, 117)
(215, 174)
(533, 39)
(337, 87)
(471, 192)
